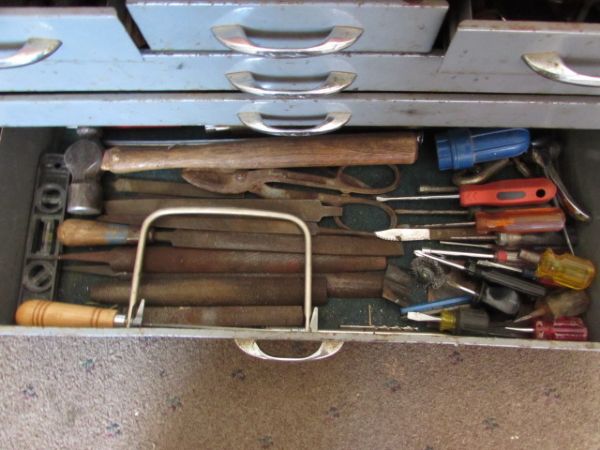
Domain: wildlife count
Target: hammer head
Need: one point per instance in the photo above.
(83, 160)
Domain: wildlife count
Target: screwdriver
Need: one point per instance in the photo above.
(561, 329)
(499, 255)
(513, 241)
(518, 221)
(456, 321)
(514, 221)
(516, 192)
(452, 302)
(563, 270)
(560, 304)
(492, 276)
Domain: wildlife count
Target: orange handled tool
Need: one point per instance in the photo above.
(520, 221)
(528, 191)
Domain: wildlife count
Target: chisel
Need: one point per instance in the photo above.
(85, 233)
(46, 313)
(176, 260)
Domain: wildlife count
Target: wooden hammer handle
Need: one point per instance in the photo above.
(84, 233)
(271, 153)
(44, 313)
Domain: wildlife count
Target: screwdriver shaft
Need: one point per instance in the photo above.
(383, 198)
(434, 212)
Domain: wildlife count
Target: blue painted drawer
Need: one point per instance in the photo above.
(418, 110)
(387, 72)
(384, 26)
(78, 34)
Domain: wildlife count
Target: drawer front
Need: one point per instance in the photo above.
(490, 47)
(418, 110)
(382, 72)
(383, 26)
(578, 158)
(81, 34)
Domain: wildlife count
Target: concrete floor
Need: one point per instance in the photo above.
(104, 393)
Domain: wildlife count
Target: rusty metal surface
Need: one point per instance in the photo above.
(225, 316)
(308, 210)
(175, 260)
(214, 224)
(355, 285)
(162, 188)
(321, 245)
(258, 182)
(213, 291)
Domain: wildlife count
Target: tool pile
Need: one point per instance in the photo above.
(523, 271)
(510, 257)
(217, 270)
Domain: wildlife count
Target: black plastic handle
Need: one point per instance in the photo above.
(501, 278)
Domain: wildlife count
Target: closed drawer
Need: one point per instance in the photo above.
(324, 113)
(348, 72)
(19, 153)
(566, 53)
(383, 26)
(62, 35)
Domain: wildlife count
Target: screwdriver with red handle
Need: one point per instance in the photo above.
(528, 191)
(561, 329)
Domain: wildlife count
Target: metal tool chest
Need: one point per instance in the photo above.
(274, 66)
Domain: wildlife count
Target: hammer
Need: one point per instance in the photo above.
(83, 160)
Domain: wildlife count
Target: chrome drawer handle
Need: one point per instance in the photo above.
(32, 51)
(235, 38)
(327, 349)
(551, 65)
(335, 82)
(332, 122)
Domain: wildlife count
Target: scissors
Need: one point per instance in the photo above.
(259, 182)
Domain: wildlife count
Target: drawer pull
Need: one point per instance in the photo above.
(332, 122)
(335, 82)
(551, 65)
(235, 38)
(327, 349)
(32, 51)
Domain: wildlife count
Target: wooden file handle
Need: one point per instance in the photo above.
(271, 153)
(83, 233)
(44, 313)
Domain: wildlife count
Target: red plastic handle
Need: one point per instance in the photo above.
(561, 329)
(525, 191)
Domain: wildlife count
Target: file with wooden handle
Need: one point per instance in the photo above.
(86, 233)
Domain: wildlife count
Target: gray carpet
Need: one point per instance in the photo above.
(188, 394)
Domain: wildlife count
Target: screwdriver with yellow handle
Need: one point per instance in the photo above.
(565, 270)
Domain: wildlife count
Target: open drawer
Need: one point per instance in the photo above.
(20, 150)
